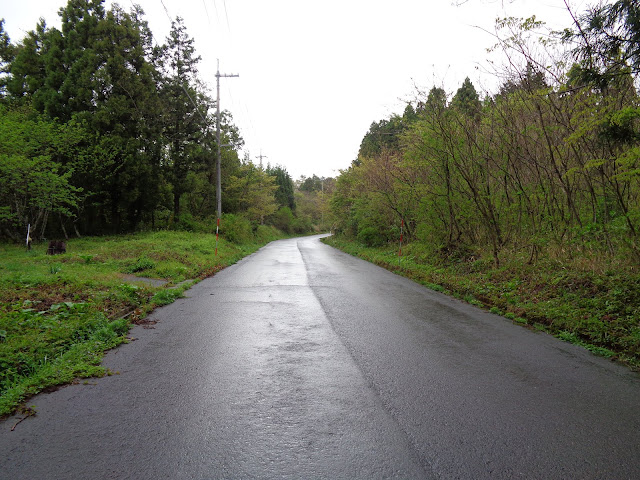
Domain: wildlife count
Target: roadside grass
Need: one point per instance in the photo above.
(59, 314)
(589, 303)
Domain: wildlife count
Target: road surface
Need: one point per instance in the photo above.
(303, 362)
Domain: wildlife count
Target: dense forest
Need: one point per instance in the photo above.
(550, 161)
(105, 130)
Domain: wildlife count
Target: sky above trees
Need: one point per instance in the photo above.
(314, 75)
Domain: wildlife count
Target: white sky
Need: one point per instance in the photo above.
(314, 74)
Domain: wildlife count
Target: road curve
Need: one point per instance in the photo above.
(303, 362)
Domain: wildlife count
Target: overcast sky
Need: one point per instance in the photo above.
(314, 74)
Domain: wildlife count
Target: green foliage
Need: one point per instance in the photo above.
(371, 237)
(118, 129)
(7, 54)
(283, 220)
(251, 192)
(534, 166)
(33, 185)
(165, 297)
(467, 99)
(606, 41)
(183, 121)
(55, 268)
(311, 184)
(87, 258)
(149, 149)
(143, 263)
(36, 338)
(236, 229)
(312, 204)
(386, 134)
(266, 233)
(186, 223)
(54, 328)
(436, 100)
(285, 193)
(303, 224)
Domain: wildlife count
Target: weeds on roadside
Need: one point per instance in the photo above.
(50, 347)
(58, 315)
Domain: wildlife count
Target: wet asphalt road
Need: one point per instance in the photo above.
(303, 362)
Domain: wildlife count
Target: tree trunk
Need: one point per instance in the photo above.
(176, 204)
(64, 230)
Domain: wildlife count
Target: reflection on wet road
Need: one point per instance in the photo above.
(303, 362)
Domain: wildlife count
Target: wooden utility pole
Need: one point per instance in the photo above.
(219, 179)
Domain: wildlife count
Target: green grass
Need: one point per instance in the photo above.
(59, 314)
(589, 304)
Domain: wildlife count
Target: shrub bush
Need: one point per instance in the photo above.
(302, 225)
(236, 229)
(143, 263)
(283, 219)
(266, 233)
(185, 223)
(371, 237)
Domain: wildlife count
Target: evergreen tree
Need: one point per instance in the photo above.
(94, 72)
(184, 124)
(467, 99)
(7, 54)
(530, 80)
(149, 143)
(285, 192)
(608, 41)
(71, 81)
(125, 114)
(436, 99)
(26, 70)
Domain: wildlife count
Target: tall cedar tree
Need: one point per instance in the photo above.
(183, 123)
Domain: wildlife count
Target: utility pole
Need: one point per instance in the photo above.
(219, 179)
(261, 156)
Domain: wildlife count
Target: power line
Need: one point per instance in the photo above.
(195, 105)
(182, 85)
(165, 10)
(224, 3)
(206, 11)
(218, 76)
(215, 6)
(244, 118)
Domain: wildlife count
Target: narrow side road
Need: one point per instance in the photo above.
(303, 362)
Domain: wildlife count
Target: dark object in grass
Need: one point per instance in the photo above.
(56, 247)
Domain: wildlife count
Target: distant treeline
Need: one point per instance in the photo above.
(552, 158)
